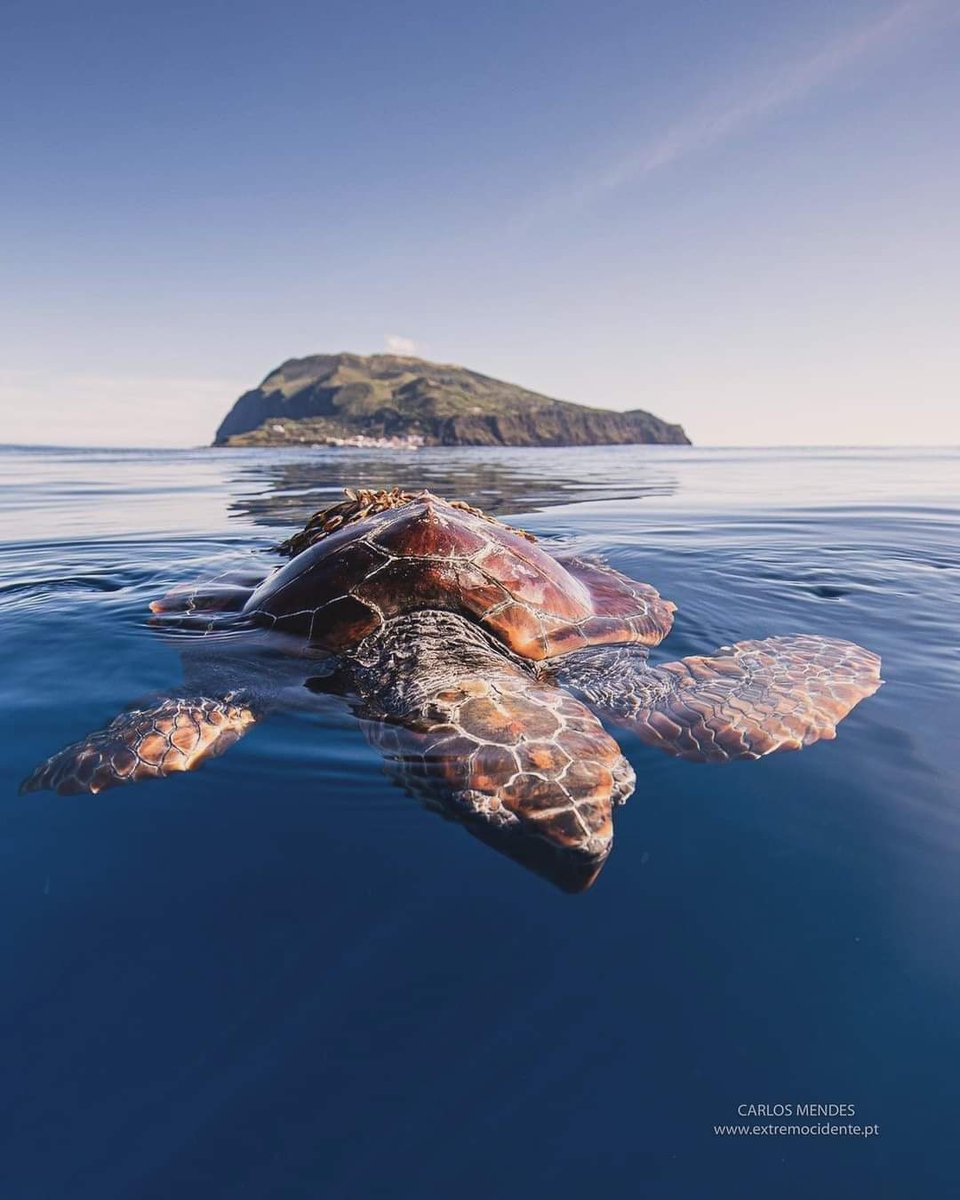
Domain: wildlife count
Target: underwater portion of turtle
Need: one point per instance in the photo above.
(462, 646)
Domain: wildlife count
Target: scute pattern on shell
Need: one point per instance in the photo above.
(423, 553)
(364, 502)
(175, 735)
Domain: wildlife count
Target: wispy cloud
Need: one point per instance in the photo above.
(748, 105)
(400, 345)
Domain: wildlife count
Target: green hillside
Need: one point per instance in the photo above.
(385, 395)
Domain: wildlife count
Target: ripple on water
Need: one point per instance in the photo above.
(285, 943)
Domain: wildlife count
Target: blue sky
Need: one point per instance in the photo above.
(742, 216)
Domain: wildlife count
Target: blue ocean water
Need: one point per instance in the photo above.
(281, 977)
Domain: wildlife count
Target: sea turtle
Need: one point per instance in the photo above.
(470, 655)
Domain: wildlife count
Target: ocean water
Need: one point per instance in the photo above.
(279, 976)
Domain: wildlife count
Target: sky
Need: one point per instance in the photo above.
(741, 215)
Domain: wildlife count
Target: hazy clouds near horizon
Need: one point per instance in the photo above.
(742, 217)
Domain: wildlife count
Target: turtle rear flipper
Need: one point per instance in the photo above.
(745, 701)
(149, 743)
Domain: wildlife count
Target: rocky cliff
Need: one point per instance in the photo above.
(385, 395)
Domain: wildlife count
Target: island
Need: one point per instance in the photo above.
(398, 401)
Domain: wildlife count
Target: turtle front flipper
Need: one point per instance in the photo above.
(745, 701)
(474, 735)
(207, 605)
(147, 743)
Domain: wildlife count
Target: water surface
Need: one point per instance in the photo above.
(279, 976)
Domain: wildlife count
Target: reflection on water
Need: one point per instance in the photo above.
(288, 491)
(278, 976)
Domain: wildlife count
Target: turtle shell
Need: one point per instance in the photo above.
(429, 554)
